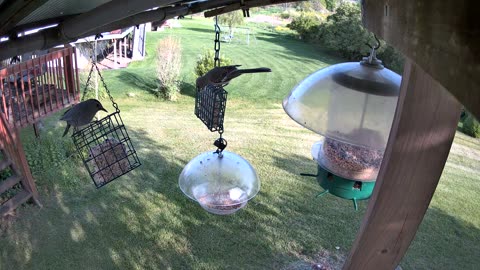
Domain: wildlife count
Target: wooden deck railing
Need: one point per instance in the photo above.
(39, 87)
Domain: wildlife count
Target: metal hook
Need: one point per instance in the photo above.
(378, 43)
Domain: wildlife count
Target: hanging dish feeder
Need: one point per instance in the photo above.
(104, 145)
(352, 105)
(221, 182)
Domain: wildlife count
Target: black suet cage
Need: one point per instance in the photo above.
(106, 149)
(210, 104)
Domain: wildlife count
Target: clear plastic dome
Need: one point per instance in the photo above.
(222, 185)
(349, 102)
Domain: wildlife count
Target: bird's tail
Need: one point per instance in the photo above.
(254, 70)
(66, 130)
(239, 72)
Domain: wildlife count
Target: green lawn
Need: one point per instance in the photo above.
(143, 221)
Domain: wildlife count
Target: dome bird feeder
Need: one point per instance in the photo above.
(104, 145)
(352, 106)
(221, 182)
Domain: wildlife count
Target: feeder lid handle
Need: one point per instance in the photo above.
(371, 60)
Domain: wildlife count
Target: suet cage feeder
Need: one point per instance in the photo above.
(106, 149)
(210, 104)
(352, 106)
(221, 182)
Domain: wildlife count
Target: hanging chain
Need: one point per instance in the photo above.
(94, 65)
(220, 143)
(217, 43)
(115, 105)
(86, 84)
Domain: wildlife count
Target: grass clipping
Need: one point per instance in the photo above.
(168, 68)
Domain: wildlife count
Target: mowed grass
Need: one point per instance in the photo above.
(143, 221)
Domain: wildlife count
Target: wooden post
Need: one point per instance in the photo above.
(114, 53)
(10, 141)
(440, 36)
(69, 75)
(120, 48)
(125, 47)
(422, 133)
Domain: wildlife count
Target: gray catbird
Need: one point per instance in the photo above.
(222, 75)
(81, 114)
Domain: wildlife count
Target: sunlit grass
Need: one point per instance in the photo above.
(143, 221)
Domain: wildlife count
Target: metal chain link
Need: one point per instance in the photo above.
(94, 65)
(115, 105)
(86, 84)
(217, 43)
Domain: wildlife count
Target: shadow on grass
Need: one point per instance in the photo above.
(443, 242)
(300, 50)
(203, 30)
(143, 221)
(135, 80)
(294, 164)
(187, 89)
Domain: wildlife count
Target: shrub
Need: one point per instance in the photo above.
(392, 59)
(282, 29)
(205, 62)
(471, 126)
(306, 25)
(330, 4)
(285, 15)
(168, 68)
(311, 5)
(344, 33)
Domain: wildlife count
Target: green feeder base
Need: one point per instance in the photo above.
(344, 188)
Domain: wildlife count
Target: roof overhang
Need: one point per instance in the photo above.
(75, 19)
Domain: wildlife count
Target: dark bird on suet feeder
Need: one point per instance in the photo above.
(81, 114)
(221, 76)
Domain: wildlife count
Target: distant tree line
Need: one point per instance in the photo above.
(341, 31)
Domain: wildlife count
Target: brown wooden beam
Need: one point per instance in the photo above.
(206, 5)
(52, 37)
(422, 133)
(12, 12)
(160, 14)
(443, 37)
(107, 13)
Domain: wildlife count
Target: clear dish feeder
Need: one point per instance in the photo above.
(222, 183)
(352, 106)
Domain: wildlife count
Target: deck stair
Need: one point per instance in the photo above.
(29, 92)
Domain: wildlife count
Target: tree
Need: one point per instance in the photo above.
(471, 126)
(317, 5)
(306, 24)
(330, 4)
(231, 19)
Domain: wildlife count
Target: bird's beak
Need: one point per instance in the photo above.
(103, 109)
